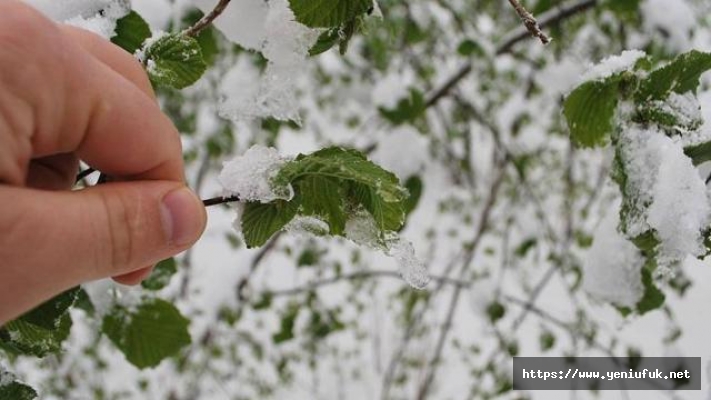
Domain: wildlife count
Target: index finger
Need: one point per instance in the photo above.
(79, 104)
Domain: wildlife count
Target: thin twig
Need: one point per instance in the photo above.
(454, 302)
(83, 174)
(207, 19)
(530, 22)
(357, 276)
(549, 18)
(219, 200)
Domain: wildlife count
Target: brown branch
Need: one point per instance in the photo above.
(219, 200)
(207, 19)
(454, 302)
(356, 276)
(529, 21)
(549, 18)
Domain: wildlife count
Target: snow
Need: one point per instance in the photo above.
(687, 110)
(675, 19)
(680, 210)
(613, 65)
(612, 270)
(96, 16)
(271, 29)
(156, 12)
(243, 22)
(666, 192)
(249, 176)
(362, 229)
(640, 152)
(411, 268)
(6, 378)
(303, 225)
(101, 295)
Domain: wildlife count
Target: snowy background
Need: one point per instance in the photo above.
(511, 213)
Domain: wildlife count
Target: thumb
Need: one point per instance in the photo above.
(54, 240)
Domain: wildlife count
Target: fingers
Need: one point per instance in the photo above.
(109, 230)
(73, 99)
(56, 172)
(112, 56)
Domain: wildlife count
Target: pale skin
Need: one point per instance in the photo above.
(68, 95)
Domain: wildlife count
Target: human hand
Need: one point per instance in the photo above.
(68, 95)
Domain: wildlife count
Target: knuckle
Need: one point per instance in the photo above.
(121, 224)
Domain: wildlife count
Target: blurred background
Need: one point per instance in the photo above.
(465, 107)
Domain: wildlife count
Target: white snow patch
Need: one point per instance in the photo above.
(270, 28)
(680, 210)
(402, 151)
(411, 268)
(101, 294)
(362, 229)
(249, 176)
(612, 270)
(6, 377)
(243, 22)
(641, 152)
(613, 65)
(676, 19)
(96, 16)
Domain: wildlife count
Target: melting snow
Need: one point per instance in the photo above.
(362, 229)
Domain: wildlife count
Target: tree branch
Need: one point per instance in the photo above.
(356, 276)
(454, 302)
(529, 21)
(219, 200)
(207, 19)
(548, 18)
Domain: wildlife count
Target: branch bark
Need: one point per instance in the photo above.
(207, 19)
(549, 18)
(529, 21)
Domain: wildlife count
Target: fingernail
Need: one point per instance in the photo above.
(183, 216)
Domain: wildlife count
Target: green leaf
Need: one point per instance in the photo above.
(286, 328)
(27, 338)
(653, 298)
(207, 38)
(495, 311)
(414, 186)
(260, 221)
(15, 390)
(679, 76)
(546, 340)
(131, 31)
(328, 13)
(161, 275)
(149, 334)
(623, 8)
(322, 197)
(589, 111)
(469, 47)
(323, 324)
(326, 40)
(349, 165)
(407, 109)
(83, 302)
(389, 216)
(49, 314)
(174, 60)
(699, 153)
